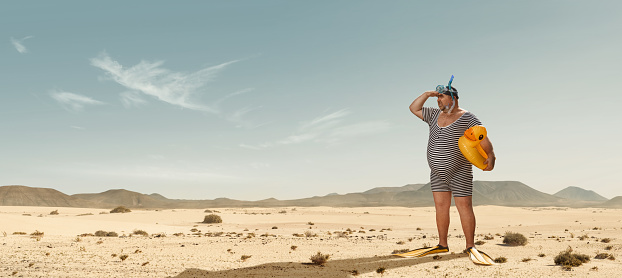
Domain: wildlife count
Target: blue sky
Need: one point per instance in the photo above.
(291, 99)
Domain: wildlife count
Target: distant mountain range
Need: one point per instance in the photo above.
(500, 193)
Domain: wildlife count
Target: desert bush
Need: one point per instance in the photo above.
(293, 247)
(479, 242)
(583, 237)
(319, 258)
(310, 234)
(37, 234)
(120, 209)
(310, 223)
(123, 257)
(514, 239)
(500, 260)
(569, 259)
(609, 247)
(275, 227)
(208, 211)
(212, 218)
(605, 240)
(541, 255)
(54, 212)
(140, 233)
(101, 233)
(245, 257)
(601, 256)
(488, 237)
(380, 270)
(526, 260)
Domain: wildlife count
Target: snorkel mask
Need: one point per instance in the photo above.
(448, 90)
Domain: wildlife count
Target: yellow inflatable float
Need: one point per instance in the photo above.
(470, 147)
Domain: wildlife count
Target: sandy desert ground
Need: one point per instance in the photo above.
(278, 242)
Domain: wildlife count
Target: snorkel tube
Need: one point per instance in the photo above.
(445, 90)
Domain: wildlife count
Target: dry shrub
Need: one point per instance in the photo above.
(212, 218)
(500, 260)
(479, 242)
(120, 209)
(601, 256)
(380, 270)
(319, 258)
(37, 234)
(514, 239)
(310, 234)
(245, 257)
(101, 233)
(488, 237)
(123, 257)
(54, 212)
(293, 247)
(569, 259)
(605, 240)
(208, 211)
(140, 233)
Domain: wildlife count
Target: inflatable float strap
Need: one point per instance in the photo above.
(470, 147)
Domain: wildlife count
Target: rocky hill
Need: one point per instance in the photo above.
(577, 193)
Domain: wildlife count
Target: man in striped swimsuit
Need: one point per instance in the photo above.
(450, 172)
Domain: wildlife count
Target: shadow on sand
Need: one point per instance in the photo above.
(333, 268)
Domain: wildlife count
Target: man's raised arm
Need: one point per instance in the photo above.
(417, 105)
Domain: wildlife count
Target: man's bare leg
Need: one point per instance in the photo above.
(467, 218)
(442, 202)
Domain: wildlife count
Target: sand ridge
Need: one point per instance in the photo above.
(280, 242)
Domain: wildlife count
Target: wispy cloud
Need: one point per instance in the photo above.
(77, 127)
(73, 102)
(326, 129)
(19, 45)
(151, 79)
(130, 99)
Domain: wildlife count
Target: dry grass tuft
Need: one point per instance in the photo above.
(601, 256)
(569, 259)
(479, 242)
(500, 260)
(310, 234)
(120, 209)
(140, 233)
(605, 240)
(319, 258)
(54, 212)
(102, 233)
(514, 239)
(212, 218)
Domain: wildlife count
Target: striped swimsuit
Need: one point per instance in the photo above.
(450, 171)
